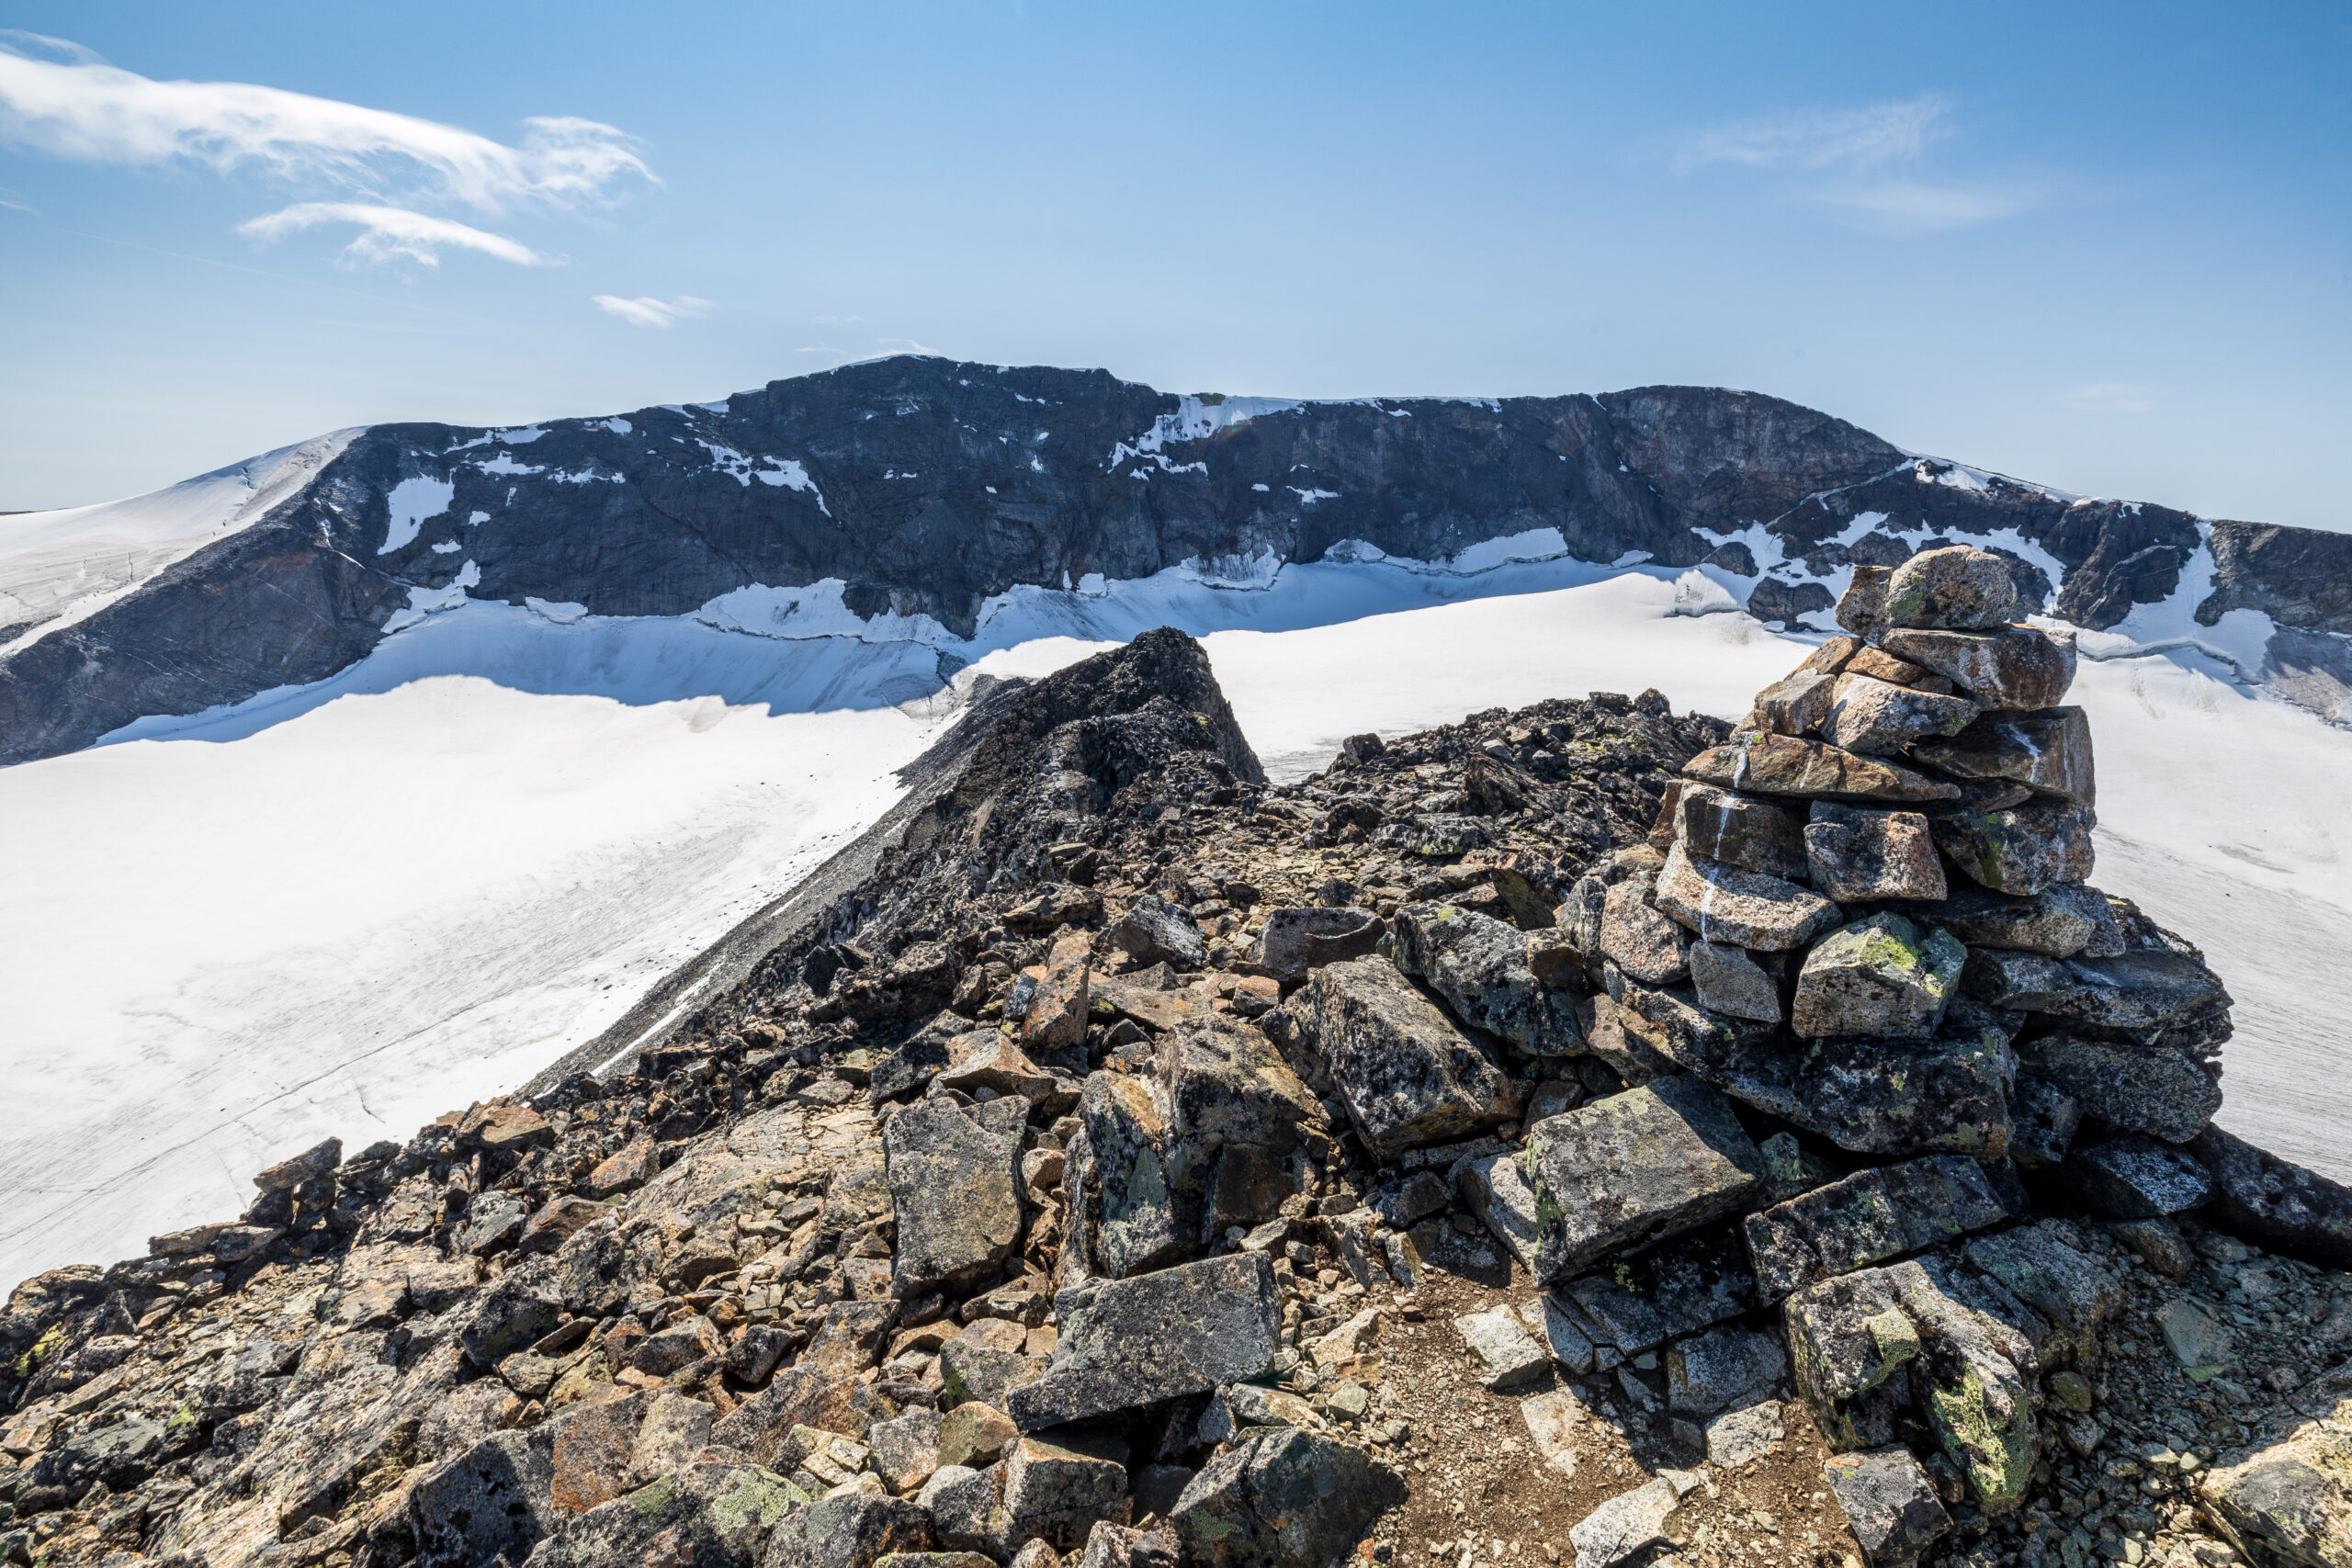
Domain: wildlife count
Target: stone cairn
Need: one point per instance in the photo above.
(1866, 916)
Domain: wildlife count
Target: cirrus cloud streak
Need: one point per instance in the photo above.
(387, 234)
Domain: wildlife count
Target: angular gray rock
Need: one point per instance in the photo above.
(2141, 991)
(2131, 1088)
(1298, 939)
(1889, 1502)
(1626, 1524)
(2048, 750)
(851, 1530)
(1632, 1166)
(1878, 718)
(702, 1511)
(1862, 609)
(1759, 763)
(2292, 1496)
(2060, 921)
(1058, 1489)
(1159, 1335)
(495, 1497)
(1730, 981)
(1743, 908)
(1639, 939)
(1283, 1498)
(1835, 1229)
(1797, 703)
(1722, 1368)
(1479, 965)
(1154, 930)
(1494, 1189)
(1507, 1355)
(1854, 854)
(2016, 667)
(2021, 850)
(2276, 1202)
(1406, 1074)
(1881, 978)
(955, 1193)
(1744, 831)
(2136, 1177)
(1682, 1285)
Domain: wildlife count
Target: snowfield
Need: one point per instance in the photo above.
(349, 908)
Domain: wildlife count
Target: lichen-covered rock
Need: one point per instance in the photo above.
(1781, 764)
(1881, 977)
(1057, 1013)
(2022, 848)
(1154, 930)
(1745, 832)
(1632, 1166)
(955, 1193)
(1159, 1335)
(1957, 587)
(2145, 989)
(1283, 1498)
(2060, 921)
(1834, 1229)
(495, 1497)
(1862, 609)
(2131, 1088)
(2015, 666)
(705, 1512)
(1056, 1489)
(2137, 1178)
(1743, 908)
(1722, 1368)
(1297, 939)
(1406, 1074)
(1627, 1524)
(2294, 1496)
(847, 1529)
(2049, 750)
(1479, 965)
(2276, 1202)
(1854, 854)
(2068, 1293)
(1878, 718)
(1797, 703)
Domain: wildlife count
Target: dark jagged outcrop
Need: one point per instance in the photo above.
(925, 488)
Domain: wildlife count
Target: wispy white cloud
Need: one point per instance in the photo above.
(828, 319)
(389, 233)
(1821, 139)
(59, 99)
(905, 345)
(820, 348)
(2111, 397)
(646, 311)
(1860, 162)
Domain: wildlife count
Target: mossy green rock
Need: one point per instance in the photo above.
(1882, 977)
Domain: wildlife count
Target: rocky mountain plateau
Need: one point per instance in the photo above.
(1576, 1135)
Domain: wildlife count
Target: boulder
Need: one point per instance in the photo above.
(1744, 908)
(1881, 977)
(1781, 764)
(1878, 718)
(2060, 921)
(1958, 588)
(1832, 1230)
(1627, 1524)
(955, 1184)
(2131, 1088)
(848, 1529)
(975, 1435)
(799, 1396)
(2015, 666)
(961, 1503)
(1797, 703)
(2276, 1202)
(1864, 1093)
(2294, 1496)
(1056, 1489)
(673, 1430)
(1742, 1436)
(1159, 1335)
(1744, 831)
(1480, 965)
(1508, 1356)
(1297, 939)
(1283, 1498)
(987, 1059)
(495, 1497)
(1406, 1074)
(1056, 1013)
(701, 1511)
(2054, 1287)
(1632, 1166)
(1638, 939)
(314, 1162)
(904, 1451)
(1730, 981)
(2138, 991)
(2136, 1177)
(1494, 1189)
(1855, 854)
(1942, 1197)
(1890, 1503)
(1117, 1546)
(2021, 850)
(2048, 750)
(1880, 1347)
(1862, 609)
(1722, 1367)
(1682, 1285)
(972, 1370)
(1154, 930)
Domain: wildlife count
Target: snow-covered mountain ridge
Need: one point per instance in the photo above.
(951, 509)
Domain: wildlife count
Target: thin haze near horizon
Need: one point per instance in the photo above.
(2103, 248)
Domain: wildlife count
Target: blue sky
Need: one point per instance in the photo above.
(2107, 247)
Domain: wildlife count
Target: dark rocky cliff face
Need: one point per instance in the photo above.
(926, 486)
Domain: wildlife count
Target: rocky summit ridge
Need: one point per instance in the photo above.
(904, 499)
(1579, 1134)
